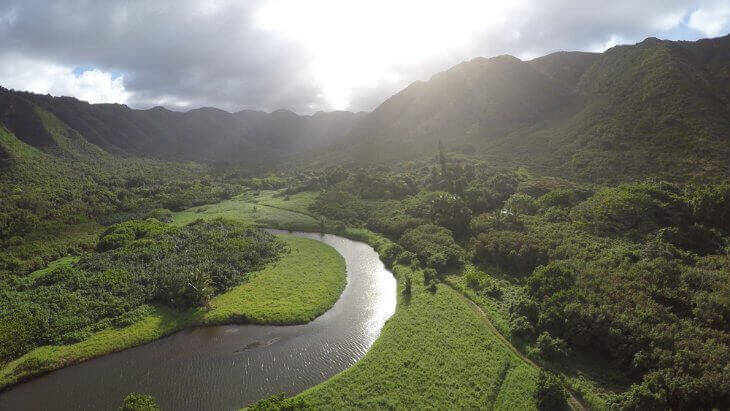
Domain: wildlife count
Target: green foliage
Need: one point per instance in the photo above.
(521, 204)
(302, 285)
(495, 221)
(548, 280)
(340, 205)
(550, 348)
(636, 208)
(515, 251)
(550, 392)
(139, 402)
(563, 197)
(433, 245)
(443, 209)
(178, 267)
(392, 220)
(711, 205)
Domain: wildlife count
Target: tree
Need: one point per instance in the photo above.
(407, 285)
(550, 392)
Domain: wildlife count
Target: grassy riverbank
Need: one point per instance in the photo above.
(436, 352)
(303, 284)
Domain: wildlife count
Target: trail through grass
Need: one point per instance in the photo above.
(264, 210)
(434, 352)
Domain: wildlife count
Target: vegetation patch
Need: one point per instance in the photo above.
(300, 286)
(434, 350)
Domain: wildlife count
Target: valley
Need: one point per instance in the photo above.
(530, 234)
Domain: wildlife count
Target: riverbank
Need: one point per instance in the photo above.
(302, 285)
(434, 350)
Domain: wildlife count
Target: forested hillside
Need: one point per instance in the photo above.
(204, 134)
(655, 108)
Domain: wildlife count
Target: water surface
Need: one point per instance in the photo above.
(226, 367)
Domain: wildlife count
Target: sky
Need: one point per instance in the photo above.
(304, 56)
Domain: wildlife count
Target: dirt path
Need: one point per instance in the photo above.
(573, 401)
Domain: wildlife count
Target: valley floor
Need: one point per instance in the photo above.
(437, 350)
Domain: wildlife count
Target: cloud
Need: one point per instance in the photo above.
(304, 56)
(712, 19)
(92, 85)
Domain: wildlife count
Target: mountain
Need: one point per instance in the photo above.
(654, 108)
(205, 134)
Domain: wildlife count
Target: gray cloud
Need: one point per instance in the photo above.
(186, 54)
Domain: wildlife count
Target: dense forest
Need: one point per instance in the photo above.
(586, 196)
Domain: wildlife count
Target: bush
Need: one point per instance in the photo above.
(548, 280)
(551, 393)
(563, 197)
(711, 205)
(521, 204)
(441, 208)
(161, 214)
(696, 238)
(407, 285)
(633, 208)
(139, 402)
(392, 221)
(434, 246)
(513, 251)
(498, 220)
(550, 348)
(340, 205)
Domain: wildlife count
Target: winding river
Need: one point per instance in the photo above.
(226, 367)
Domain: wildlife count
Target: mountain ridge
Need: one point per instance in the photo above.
(655, 108)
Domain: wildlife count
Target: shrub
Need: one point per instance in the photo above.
(548, 280)
(161, 214)
(498, 220)
(340, 205)
(434, 246)
(521, 204)
(637, 207)
(550, 348)
(710, 205)
(550, 392)
(696, 238)
(139, 402)
(563, 197)
(441, 208)
(512, 250)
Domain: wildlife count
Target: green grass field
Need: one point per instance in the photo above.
(302, 285)
(434, 352)
(263, 210)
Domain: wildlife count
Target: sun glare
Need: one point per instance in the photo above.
(357, 45)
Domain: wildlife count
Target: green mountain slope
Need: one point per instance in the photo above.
(655, 108)
(204, 134)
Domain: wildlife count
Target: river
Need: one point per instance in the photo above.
(227, 367)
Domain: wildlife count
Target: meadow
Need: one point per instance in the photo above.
(436, 352)
(261, 208)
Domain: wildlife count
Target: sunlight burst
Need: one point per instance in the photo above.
(363, 44)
